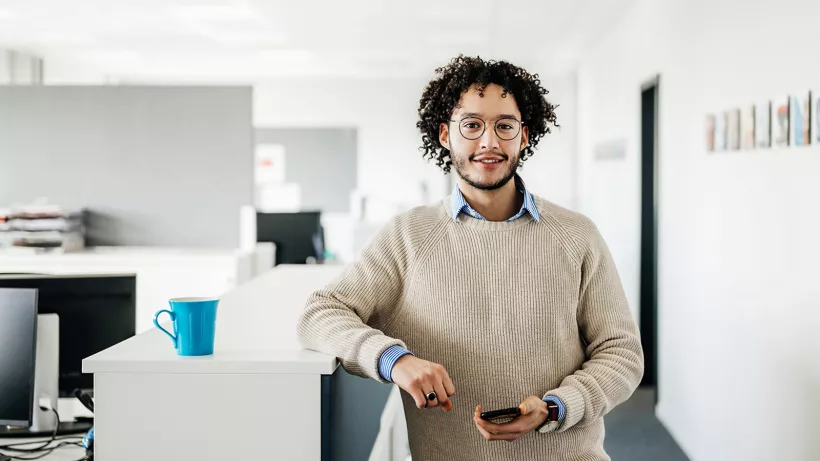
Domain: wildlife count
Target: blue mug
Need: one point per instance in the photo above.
(194, 324)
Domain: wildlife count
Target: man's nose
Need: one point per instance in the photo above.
(489, 140)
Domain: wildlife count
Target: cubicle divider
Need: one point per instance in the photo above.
(352, 410)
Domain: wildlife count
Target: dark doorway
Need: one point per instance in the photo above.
(649, 231)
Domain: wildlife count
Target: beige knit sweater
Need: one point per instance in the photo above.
(511, 309)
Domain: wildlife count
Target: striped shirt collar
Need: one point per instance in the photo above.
(459, 205)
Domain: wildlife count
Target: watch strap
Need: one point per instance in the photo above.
(552, 414)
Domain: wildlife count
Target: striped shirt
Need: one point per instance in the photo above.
(459, 205)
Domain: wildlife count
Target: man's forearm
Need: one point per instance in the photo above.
(603, 382)
(330, 327)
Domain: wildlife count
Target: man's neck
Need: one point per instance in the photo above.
(494, 205)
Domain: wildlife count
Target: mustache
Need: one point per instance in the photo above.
(499, 154)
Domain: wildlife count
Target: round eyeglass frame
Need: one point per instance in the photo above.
(495, 128)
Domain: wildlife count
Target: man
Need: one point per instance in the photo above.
(493, 298)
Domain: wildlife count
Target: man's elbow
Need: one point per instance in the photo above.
(639, 365)
(305, 326)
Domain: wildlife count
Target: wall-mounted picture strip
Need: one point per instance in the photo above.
(710, 133)
(733, 129)
(780, 122)
(763, 125)
(747, 127)
(801, 119)
(720, 131)
(815, 117)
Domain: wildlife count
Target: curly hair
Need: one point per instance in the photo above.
(443, 93)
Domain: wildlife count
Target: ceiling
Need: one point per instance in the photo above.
(238, 40)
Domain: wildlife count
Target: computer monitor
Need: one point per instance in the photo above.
(298, 236)
(18, 348)
(95, 312)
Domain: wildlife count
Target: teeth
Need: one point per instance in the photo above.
(490, 161)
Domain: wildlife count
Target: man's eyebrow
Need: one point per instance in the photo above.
(476, 114)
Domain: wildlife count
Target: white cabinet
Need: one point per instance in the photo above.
(162, 273)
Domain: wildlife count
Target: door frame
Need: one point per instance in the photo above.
(650, 201)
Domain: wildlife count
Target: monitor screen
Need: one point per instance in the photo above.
(18, 345)
(96, 312)
(298, 236)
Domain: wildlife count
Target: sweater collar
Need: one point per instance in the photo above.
(458, 204)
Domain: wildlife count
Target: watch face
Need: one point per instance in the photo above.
(547, 427)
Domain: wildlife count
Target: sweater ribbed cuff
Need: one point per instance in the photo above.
(574, 402)
(370, 353)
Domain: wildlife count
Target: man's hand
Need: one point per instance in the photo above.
(419, 377)
(533, 414)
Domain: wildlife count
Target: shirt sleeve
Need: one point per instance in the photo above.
(388, 360)
(562, 409)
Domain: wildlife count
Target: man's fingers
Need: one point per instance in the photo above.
(419, 378)
(493, 433)
(418, 396)
(448, 384)
(484, 432)
(442, 399)
(530, 405)
(426, 389)
(503, 428)
(518, 425)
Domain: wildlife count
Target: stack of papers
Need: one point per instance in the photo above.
(41, 227)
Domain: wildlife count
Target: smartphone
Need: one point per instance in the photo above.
(497, 415)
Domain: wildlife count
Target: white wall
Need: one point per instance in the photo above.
(738, 276)
(552, 171)
(390, 167)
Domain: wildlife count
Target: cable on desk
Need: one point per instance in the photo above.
(43, 450)
(59, 438)
(53, 436)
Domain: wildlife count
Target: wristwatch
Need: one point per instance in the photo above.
(552, 419)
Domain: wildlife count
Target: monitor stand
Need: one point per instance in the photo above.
(75, 427)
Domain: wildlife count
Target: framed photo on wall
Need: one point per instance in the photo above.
(763, 125)
(801, 119)
(710, 133)
(733, 129)
(720, 131)
(815, 117)
(747, 127)
(780, 122)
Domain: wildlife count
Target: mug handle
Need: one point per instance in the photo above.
(173, 318)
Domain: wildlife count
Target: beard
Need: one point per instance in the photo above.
(463, 162)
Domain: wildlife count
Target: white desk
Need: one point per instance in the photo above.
(258, 397)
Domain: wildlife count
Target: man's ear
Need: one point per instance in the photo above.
(444, 135)
(525, 137)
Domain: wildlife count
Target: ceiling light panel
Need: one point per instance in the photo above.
(231, 24)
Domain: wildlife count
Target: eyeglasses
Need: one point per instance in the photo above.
(472, 128)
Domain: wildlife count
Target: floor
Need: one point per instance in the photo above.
(633, 432)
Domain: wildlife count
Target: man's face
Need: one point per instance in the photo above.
(489, 161)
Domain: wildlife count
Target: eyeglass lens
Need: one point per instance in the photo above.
(506, 128)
